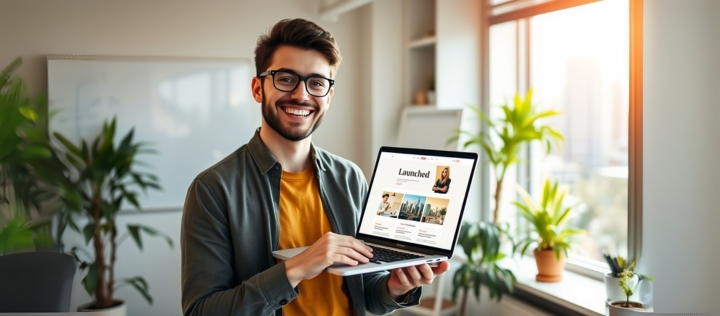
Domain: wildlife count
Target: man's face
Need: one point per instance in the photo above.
(385, 198)
(294, 115)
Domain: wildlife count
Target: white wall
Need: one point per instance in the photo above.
(458, 51)
(458, 79)
(386, 78)
(224, 28)
(681, 153)
(227, 28)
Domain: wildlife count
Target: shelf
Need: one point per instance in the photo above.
(422, 42)
(422, 106)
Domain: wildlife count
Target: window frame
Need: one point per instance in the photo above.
(522, 15)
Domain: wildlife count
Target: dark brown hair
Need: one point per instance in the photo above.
(297, 33)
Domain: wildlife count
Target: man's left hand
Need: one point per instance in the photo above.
(402, 280)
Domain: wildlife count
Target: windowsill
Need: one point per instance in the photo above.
(577, 292)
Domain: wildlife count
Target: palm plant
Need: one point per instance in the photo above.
(481, 244)
(102, 177)
(501, 143)
(28, 168)
(517, 128)
(548, 219)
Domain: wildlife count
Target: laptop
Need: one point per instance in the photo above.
(413, 209)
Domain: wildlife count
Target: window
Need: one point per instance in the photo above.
(577, 61)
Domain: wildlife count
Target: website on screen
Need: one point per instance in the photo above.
(417, 199)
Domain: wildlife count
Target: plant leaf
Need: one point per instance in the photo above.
(91, 279)
(477, 281)
(135, 233)
(89, 232)
(141, 286)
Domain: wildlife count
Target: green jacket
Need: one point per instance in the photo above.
(230, 227)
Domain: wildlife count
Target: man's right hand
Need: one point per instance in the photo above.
(329, 249)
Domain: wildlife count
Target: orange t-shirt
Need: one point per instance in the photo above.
(302, 222)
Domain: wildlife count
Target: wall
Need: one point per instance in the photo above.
(458, 51)
(681, 153)
(176, 28)
(34, 28)
(458, 81)
(386, 78)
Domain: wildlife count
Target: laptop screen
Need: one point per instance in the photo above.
(417, 198)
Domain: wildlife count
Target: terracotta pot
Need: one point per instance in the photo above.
(119, 309)
(421, 97)
(549, 268)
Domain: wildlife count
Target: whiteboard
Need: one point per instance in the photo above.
(193, 112)
(428, 127)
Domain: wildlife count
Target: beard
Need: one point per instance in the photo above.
(294, 132)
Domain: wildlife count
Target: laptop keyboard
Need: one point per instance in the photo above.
(386, 255)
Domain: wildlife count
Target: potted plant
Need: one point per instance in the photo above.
(102, 177)
(549, 230)
(29, 170)
(612, 279)
(505, 136)
(630, 283)
(431, 95)
(481, 245)
(516, 128)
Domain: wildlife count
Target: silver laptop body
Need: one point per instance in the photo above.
(407, 218)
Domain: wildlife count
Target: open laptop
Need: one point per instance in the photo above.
(412, 213)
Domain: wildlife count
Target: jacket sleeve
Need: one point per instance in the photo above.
(377, 298)
(207, 264)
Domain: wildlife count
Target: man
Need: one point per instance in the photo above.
(384, 205)
(279, 191)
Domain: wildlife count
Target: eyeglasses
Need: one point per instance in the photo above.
(288, 81)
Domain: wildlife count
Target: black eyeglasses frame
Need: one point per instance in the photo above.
(301, 78)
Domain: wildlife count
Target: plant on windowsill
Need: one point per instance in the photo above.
(632, 282)
(102, 177)
(548, 230)
(612, 279)
(481, 245)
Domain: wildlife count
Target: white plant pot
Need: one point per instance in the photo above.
(118, 310)
(612, 289)
(622, 311)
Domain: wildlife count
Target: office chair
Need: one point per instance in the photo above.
(36, 282)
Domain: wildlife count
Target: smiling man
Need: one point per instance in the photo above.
(279, 191)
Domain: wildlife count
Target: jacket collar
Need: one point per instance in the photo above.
(265, 160)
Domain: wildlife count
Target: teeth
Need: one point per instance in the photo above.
(297, 112)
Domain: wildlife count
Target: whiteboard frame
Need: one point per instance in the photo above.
(142, 58)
